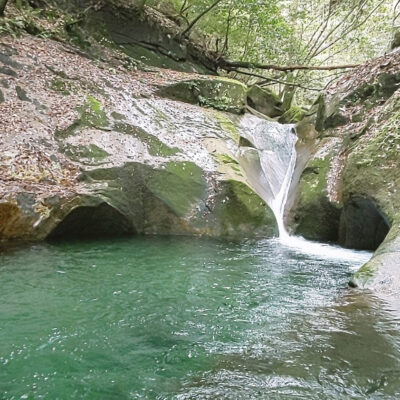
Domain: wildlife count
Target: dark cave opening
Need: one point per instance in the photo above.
(89, 222)
(362, 225)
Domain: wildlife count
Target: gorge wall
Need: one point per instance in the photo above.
(349, 189)
(90, 148)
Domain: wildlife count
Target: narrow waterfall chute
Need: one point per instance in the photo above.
(270, 164)
(269, 168)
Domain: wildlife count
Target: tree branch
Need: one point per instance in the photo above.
(349, 29)
(191, 25)
(314, 50)
(273, 80)
(233, 65)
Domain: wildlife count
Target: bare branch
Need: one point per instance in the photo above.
(233, 65)
(350, 29)
(273, 80)
(314, 51)
(191, 25)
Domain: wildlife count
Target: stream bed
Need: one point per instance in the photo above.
(185, 318)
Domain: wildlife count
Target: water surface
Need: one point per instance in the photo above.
(184, 318)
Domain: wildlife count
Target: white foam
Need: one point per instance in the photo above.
(325, 250)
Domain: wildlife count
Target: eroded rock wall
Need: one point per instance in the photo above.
(88, 148)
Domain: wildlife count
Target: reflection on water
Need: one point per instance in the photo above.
(178, 318)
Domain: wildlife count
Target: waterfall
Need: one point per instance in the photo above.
(268, 158)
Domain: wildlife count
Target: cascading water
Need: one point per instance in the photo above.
(268, 159)
(269, 165)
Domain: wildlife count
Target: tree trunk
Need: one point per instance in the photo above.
(3, 4)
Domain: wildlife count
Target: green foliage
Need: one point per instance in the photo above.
(284, 32)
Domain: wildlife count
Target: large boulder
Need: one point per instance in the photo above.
(220, 93)
(264, 101)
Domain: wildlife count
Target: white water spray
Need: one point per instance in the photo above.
(269, 167)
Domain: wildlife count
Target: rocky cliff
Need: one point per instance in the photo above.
(349, 189)
(91, 146)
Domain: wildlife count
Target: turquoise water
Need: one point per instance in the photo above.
(184, 318)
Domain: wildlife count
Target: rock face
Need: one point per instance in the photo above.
(264, 101)
(220, 93)
(349, 190)
(316, 216)
(97, 152)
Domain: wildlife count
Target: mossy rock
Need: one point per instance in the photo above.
(90, 152)
(180, 185)
(373, 167)
(155, 146)
(372, 172)
(316, 217)
(292, 116)
(264, 101)
(91, 115)
(219, 93)
(242, 213)
(383, 268)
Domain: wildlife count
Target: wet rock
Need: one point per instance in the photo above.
(362, 225)
(264, 101)
(316, 216)
(101, 160)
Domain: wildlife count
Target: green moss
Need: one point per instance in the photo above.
(219, 93)
(21, 94)
(293, 115)
(224, 158)
(314, 179)
(154, 145)
(118, 116)
(365, 274)
(243, 212)
(228, 126)
(316, 217)
(180, 185)
(91, 115)
(92, 152)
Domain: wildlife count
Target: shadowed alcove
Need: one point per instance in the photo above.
(92, 222)
(362, 225)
